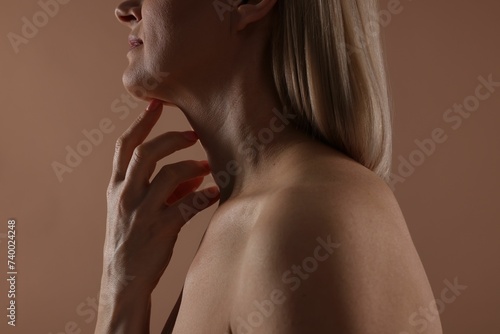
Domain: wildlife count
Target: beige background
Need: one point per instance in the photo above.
(66, 78)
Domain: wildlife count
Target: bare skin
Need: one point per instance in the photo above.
(372, 282)
(261, 246)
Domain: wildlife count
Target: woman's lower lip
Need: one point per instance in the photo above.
(135, 46)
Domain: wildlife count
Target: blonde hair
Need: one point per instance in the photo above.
(329, 71)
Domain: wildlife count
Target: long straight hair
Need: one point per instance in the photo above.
(329, 70)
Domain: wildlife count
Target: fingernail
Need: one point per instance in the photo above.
(153, 105)
(213, 191)
(205, 164)
(191, 135)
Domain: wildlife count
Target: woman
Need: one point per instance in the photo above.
(289, 101)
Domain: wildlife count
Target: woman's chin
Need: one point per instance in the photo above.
(142, 84)
(135, 88)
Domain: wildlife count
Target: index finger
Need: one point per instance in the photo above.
(132, 137)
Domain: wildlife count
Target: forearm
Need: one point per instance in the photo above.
(123, 311)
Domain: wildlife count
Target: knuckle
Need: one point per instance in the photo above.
(126, 204)
(141, 152)
(120, 142)
(120, 196)
(110, 190)
(168, 173)
(125, 208)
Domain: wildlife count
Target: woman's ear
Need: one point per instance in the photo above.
(251, 11)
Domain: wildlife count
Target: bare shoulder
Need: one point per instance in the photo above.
(331, 252)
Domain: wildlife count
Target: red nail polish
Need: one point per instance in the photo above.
(206, 165)
(191, 135)
(153, 105)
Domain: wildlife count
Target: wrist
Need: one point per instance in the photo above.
(124, 311)
(119, 282)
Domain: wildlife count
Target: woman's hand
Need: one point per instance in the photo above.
(143, 218)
